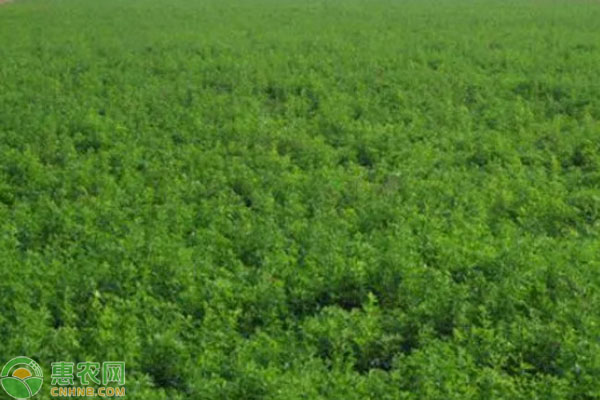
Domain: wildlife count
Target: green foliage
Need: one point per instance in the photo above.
(318, 199)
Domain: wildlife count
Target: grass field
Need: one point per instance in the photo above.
(304, 199)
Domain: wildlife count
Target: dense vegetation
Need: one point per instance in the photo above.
(316, 199)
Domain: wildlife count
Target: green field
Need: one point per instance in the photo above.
(304, 199)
